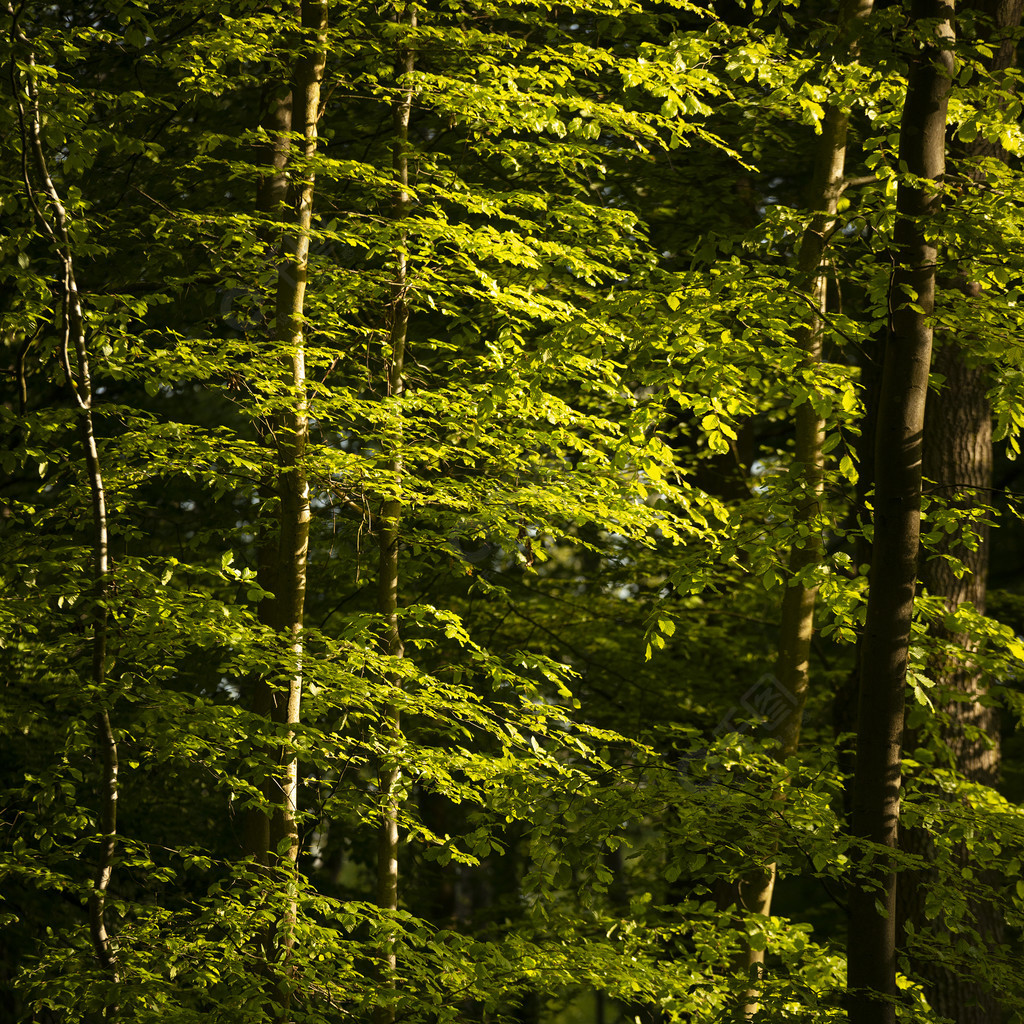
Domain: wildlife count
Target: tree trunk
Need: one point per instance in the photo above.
(271, 199)
(898, 455)
(958, 458)
(796, 627)
(276, 841)
(389, 538)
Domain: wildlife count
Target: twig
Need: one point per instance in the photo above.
(20, 369)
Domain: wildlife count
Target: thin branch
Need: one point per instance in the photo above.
(867, 179)
(20, 373)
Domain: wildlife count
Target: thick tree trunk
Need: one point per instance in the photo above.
(958, 459)
(276, 841)
(389, 538)
(796, 627)
(898, 458)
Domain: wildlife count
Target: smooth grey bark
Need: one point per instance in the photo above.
(390, 529)
(897, 505)
(285, 612)
(74, 361)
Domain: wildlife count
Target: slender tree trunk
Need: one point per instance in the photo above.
(271, 200)
(276, 841)
(74, 358)
(391, 516)
(898, 455)
(796, 627)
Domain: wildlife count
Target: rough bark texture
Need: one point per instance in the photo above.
(74, 358)
(958, 460)
(957, 457)
(389, 538)
(796, 626)
(898, 467)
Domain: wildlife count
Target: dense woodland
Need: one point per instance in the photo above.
(509, 512)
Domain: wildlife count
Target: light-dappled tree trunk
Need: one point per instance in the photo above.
(287, 194)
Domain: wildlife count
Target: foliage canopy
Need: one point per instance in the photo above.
(590, 465)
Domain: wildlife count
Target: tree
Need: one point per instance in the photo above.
(283, 568)
(796, 625)
(958, 459)
(390, 531)
(53, 223)
(897, 501)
